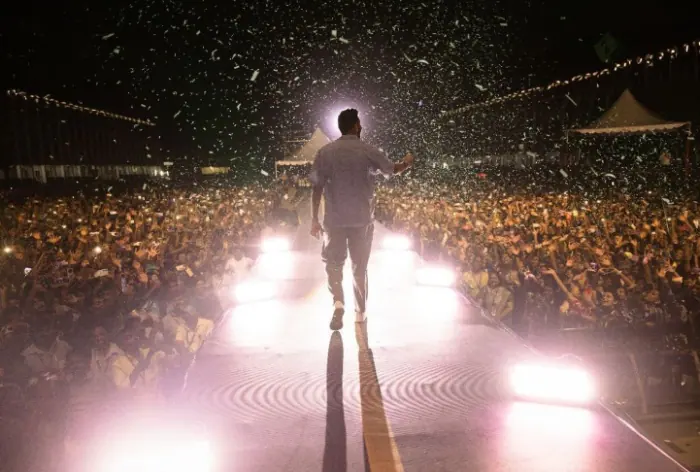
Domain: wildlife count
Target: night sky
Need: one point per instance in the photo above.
(225, 80)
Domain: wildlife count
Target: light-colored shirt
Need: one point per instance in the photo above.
(193, 339)
(346, 169)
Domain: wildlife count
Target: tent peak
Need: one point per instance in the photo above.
(627, 115)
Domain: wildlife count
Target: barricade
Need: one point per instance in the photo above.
(639, 379)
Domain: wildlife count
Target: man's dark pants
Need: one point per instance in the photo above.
(336, 244)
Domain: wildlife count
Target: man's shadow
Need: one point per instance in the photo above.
(335, 450)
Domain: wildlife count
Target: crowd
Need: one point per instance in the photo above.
(616, 262)
(579, 260)
(108, 298)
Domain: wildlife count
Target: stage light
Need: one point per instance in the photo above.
(554, 383)
(275, 244)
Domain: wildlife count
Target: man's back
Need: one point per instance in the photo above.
(346, 169)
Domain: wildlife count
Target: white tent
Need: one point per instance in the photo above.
(307, 153)
(627, 115)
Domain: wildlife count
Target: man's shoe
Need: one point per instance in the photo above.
(360, 317)
(337, 320)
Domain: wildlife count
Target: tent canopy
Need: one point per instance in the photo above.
(627, 115)
(307, 153)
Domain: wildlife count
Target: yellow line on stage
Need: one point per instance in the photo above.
(382, 452)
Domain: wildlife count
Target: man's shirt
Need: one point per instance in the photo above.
(346, 169)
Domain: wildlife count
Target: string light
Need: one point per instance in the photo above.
(72, 106)
(647, 59)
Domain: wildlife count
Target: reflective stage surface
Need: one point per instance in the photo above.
(420, 387)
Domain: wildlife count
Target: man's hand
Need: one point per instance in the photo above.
(408, 159)
(316, 229)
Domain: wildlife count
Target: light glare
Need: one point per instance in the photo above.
(397, 243)
(160, 456)
(552, 383)
(276, 266)
(254, 291)
(275, 245)
(435, 276)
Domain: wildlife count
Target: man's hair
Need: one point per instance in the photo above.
(347, 119)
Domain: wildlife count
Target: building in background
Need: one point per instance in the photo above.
(43, 139)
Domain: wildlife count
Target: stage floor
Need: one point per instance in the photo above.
(419, 387)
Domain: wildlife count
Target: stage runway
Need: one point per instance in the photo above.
(420, 387)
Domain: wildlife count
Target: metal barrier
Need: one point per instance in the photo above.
(634, 378)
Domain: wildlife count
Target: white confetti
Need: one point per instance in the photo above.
(254, 76)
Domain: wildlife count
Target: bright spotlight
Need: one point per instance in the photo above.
(269, 245)
(255, 291)
(397, 243)
(435, 276)
(159, 455)
(554, 383)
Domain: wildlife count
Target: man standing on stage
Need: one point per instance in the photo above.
(343, 173)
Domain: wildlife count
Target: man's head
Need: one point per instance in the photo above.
(349, 122)
(100, 336)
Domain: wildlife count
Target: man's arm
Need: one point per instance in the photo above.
(381, 163)
(318, 178)
(399, 167)
(316, 195)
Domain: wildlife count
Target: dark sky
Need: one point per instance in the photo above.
(225, 79)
